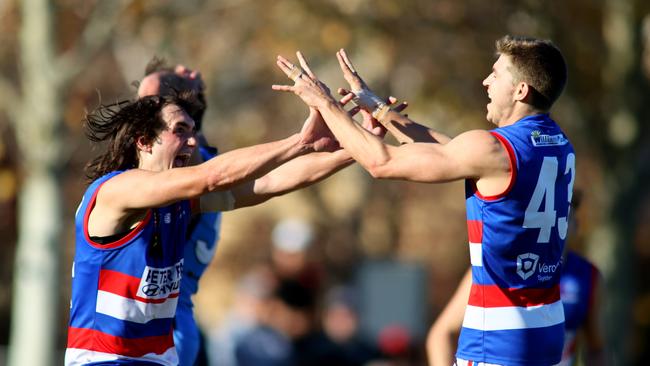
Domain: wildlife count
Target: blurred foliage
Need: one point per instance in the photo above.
(434, 54)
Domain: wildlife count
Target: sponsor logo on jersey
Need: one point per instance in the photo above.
(159, 283)
(528, 264)
(541, 140)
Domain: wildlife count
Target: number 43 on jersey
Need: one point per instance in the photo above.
(540, 213)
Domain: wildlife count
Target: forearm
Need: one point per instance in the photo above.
(366, 148)
(295, 174)
(408, 131)
(235, 167)
(440, 347)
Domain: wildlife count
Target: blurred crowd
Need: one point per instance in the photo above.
(285, 312)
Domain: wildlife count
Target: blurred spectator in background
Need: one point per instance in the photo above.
(291, 241)
(284, 318)
(252, 293)
(339, 342)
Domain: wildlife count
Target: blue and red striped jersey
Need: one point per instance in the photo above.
(124, 293)
(514, 315)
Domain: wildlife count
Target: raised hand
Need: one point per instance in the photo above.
(316, 132)
(306, 85)
(364, 97)
(193, 79)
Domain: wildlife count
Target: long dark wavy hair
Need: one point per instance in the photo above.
(170, 82)
(119, 125)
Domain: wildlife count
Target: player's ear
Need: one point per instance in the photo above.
(142, 144)
(523, 92)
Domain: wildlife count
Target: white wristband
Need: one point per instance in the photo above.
(366, 99)
(380, 112)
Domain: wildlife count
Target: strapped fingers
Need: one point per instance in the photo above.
(295, 74)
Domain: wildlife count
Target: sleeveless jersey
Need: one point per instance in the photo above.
(199, 251)
(514, 314)
(579, 277)
(124, 294)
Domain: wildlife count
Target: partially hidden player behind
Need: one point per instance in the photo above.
(131, 225)
(204, 228)
(519, 182)
(581, 293)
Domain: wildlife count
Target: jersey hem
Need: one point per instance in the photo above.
(506, 361)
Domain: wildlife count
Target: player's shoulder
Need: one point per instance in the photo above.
(477, 140)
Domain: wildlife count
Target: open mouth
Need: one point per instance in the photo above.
(182, 160)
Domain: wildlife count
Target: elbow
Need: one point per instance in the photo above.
(218, 182)
(377, 169)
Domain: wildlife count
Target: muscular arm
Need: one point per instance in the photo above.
(407, 131)
(443, 335)
(135, 190)
(295, 174)
(474, 154)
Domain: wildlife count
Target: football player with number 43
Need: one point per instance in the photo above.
(519, 182)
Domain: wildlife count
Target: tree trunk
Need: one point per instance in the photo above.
(614, 241)
(39, 130)
(36, 280)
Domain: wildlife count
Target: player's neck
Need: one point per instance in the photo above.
(519, 111)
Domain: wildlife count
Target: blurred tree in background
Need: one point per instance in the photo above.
(62, 57)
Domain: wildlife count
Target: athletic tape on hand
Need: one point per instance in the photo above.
(366, 99)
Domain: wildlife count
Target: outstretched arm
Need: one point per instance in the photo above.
(443, 335)
(295, 174)
(121, 200)
(400, 126)
(474, 154)
(304, 170)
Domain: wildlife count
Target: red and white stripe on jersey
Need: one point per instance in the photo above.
(493, 308)
(513, 317)
(87, 345)
(117, 297)
(475, 234)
